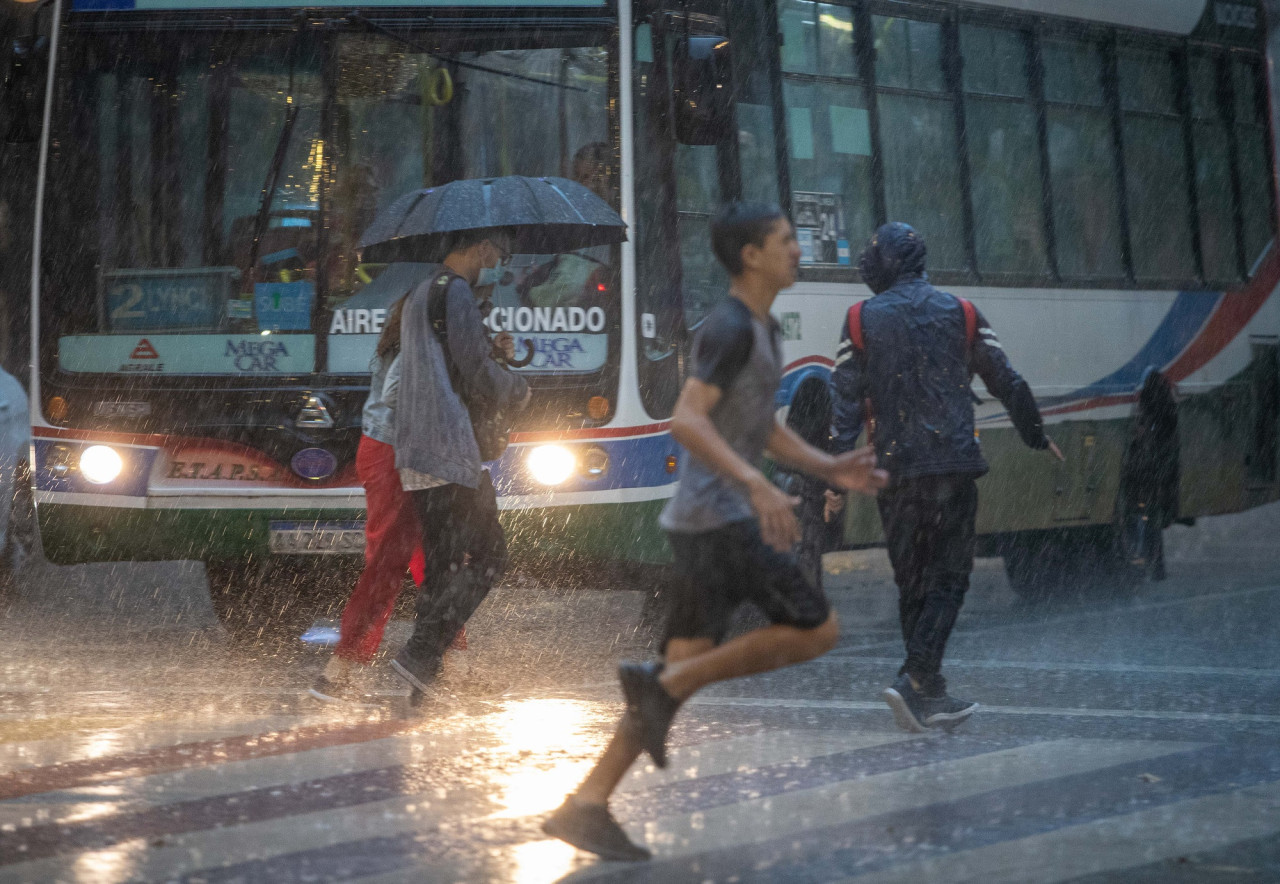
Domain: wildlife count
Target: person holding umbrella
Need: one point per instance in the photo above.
(444, 376)
(452, 388)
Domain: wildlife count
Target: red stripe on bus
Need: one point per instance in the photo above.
(601, 433)
(808, 360)
(74, 774)
(1227, 321)
(235, 447)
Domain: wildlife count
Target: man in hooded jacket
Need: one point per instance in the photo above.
(912, 371)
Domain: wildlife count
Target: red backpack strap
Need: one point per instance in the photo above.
(855, 326)
(970, 322)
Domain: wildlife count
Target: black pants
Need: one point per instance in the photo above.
(1142, 533)
(929, 528)
(465, 552)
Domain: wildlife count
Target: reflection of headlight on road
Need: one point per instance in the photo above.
(551, 464)
(100, 464)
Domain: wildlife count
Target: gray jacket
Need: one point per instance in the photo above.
(378, 421)
(433, 428)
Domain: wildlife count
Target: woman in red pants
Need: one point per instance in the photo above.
(392, 535)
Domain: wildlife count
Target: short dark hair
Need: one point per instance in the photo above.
(738, 225)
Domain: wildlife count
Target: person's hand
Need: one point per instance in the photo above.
(776, 511)
(832, 505)
(856, 471)
(504, 345)
(1055, 450)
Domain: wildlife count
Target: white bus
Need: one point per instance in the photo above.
(202, 323)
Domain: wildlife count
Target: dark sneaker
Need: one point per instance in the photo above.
(649, 705)
(592, 828)
(326, 690)
(417, 673)
(906, 703)
(946, 711)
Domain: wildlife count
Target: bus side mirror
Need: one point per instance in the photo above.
(701, 87)
(23, 97)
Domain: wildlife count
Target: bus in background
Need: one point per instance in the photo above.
(202, 323)
(203, 320)
(1099, 182)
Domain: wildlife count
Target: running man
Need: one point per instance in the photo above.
(732, 531)
(908, 354)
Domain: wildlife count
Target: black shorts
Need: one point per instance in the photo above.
(721, 569)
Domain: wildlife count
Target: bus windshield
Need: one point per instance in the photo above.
(208, 191)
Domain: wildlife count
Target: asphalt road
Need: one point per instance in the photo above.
(1131, 739)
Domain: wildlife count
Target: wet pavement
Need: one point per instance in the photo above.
(1120, 739)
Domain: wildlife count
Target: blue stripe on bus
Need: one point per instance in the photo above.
(101, 5)
(633, 463)
(791, 382)
(1177, 331)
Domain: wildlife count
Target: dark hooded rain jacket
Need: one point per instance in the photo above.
(915, 370)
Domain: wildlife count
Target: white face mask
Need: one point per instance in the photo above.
(489, 276)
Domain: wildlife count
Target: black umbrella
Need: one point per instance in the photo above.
(544, 215)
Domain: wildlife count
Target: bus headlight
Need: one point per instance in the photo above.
(100, 464)
(551, 464)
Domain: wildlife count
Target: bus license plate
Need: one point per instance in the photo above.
(317, 538)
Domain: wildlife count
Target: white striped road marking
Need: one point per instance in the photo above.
(478, 798)
(130, 737)
(793, 813)
(1107, 845)
(1075, 616)
(857, 705)
(1051, 666)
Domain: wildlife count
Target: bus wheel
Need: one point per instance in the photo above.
(1068, 562)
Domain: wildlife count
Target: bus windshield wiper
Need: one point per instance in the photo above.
(277, 164)
(359, 18)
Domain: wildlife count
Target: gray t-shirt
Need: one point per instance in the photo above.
(742, 356)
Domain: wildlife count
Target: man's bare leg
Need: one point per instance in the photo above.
(760, 650)
(692, 664)
(623, 748)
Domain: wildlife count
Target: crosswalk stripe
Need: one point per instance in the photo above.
(424, 811)
(255, 743)
(1064, 666)
(347, 834)
(790, 814)
(859, 705)
(138, 794)
(1062, 621)
(1108, 845)
(132, 736)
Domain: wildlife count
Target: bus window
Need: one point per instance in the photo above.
(704, 281)
(1255, 168)
(918, 134)
(1004, 153)
(1155, 166)
(751, 41)
(1082, 168)
(828, 124)
(1214, 199)
(169, 263)
(535, 112)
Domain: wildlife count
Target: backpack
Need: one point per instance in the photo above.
(859, 344)
(970, 325)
